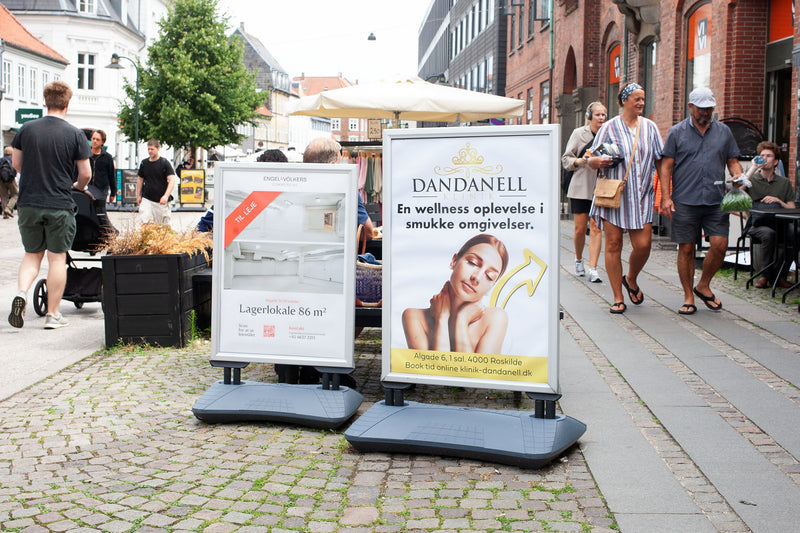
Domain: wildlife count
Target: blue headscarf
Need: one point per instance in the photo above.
(626, 92)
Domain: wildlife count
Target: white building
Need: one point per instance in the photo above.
(87, 33)
(26, 66)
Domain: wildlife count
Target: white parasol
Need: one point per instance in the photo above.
(408, 98)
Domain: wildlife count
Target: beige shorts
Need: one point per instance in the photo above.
(154, 212)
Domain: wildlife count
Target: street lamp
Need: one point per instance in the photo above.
(116, 66)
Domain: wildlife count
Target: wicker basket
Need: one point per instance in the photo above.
(368, 284)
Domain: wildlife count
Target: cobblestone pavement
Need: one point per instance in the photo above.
(110, 444)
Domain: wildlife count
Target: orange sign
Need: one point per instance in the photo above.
(246, 212)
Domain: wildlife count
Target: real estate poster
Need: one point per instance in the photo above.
(472, 280)
(284, 263)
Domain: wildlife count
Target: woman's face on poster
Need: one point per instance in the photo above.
(475, 272)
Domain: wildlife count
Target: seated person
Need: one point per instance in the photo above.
(768, 191)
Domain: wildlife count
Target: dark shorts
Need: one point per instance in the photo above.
(43, 229)
(579, 205)
(687, 221)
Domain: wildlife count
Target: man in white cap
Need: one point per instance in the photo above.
(695, 155)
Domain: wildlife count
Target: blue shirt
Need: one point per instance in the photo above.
(700, 160)
(362, 212)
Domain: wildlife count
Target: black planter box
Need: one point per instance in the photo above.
(149, 298)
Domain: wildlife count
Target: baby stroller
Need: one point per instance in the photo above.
(83, 284)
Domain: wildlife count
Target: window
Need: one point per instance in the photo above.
(512, 25)
(21, 81)
(698, 49)
(7, 79)
(353, 138)
(520, 25)
(45, 78)
(544, 106)
(649, 67)
(519, 119)
(87, 6)
(336, 124)
(86, 71)
(353, 125)
(33, 87)
(530, 106)
(490, 74)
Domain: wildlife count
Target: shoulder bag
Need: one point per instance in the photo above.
(608, 192)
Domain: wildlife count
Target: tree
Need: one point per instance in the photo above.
(195, 89)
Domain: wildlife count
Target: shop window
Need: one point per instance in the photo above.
(614, 76)
(698, 48)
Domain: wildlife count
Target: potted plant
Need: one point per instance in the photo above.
(147, 283)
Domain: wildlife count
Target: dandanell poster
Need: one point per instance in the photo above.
(284, 262)
(473, 275)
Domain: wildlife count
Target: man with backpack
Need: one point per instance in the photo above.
(8, 183)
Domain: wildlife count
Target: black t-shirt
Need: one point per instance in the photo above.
(50, 147)
(155, 175)
(104, 175)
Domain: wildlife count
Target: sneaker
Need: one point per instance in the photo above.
(593, 276)
(579, 270)
(55, 322)
(17, 316)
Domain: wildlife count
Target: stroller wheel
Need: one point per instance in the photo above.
(40, 297)
(78, 305)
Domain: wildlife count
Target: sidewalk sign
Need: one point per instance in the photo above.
(192, 186)
(284, 287)
(471, 289)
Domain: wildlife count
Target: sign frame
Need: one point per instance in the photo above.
(292, 187)
(535, 161)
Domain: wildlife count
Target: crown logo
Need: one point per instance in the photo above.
(468, 156)
(467, 162)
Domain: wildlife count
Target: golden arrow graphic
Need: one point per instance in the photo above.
(515, 273)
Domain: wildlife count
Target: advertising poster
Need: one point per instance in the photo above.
(192, 189)
(129, 177)
(284, 263)
(473, 257)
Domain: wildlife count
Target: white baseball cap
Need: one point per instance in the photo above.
(702, 97)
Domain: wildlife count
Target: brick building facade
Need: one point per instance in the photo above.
(585, 50)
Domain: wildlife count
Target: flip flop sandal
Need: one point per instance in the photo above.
(633, 294)
(687, 309)
(622, 308)
(708, 300)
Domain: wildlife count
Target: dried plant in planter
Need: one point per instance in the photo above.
(153, 239)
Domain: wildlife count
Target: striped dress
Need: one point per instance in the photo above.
(636, 207)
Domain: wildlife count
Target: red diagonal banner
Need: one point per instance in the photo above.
(246, 212)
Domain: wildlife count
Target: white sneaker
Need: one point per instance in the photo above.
(55, 322)
(579, 270)
(593, 276)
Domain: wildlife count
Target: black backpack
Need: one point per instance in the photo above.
(7, 172)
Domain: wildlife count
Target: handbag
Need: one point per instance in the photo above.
(369, 277)
(607, 191)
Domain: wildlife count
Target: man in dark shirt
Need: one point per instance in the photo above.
(154, 186)
(768, 191)
(45, 153)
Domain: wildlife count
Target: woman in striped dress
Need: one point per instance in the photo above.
(635, 213)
